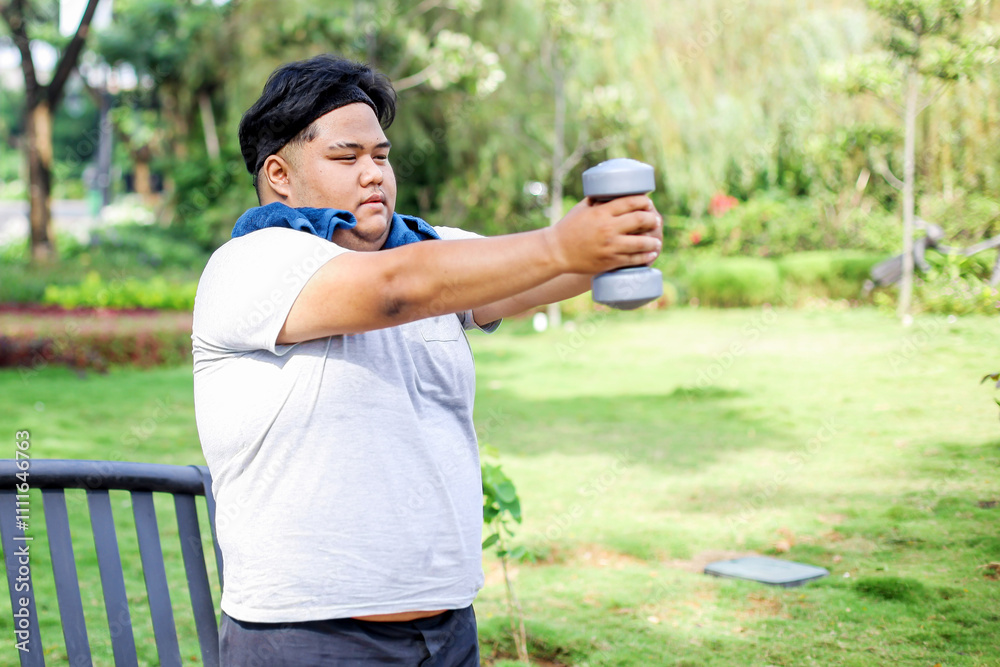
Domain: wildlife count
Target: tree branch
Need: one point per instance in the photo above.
(932, 98)
(423, 8)
(883, 170)
(414, 80)
(898, 108)
(70, 56)
(583, 148)
(13, 15)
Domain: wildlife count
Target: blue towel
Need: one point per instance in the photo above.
(323, 221)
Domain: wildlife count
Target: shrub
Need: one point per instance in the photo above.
(826, 274)
(954, 286)
(736, 281)
(768, 225)
(94, 292)
(134, 246)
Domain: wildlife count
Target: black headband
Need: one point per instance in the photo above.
(277, 131)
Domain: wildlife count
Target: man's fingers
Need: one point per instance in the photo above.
(638, 244)
(641, 222)
(625, 205)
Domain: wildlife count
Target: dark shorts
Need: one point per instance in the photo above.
(446, 640)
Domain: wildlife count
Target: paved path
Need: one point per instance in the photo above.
(70, 215)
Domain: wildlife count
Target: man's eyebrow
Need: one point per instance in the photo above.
(356, 146)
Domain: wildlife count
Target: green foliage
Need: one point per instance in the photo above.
(95, 292)
(501, 506)
(830, 274)
(966, 217)
(771, 224)
(209, 196)
(995, 377)
(955, 285)
(131, 246)
(734, 281)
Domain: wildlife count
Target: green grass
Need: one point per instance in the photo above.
(644, 444)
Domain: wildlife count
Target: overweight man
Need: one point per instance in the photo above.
(334, 384)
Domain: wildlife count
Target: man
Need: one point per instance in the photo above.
(334, 385)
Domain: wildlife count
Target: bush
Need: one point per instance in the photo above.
(769, 225)
(736, 281)
(94, 292)
(826, 274)
(955, 285)
(136, 246)
(772, 225)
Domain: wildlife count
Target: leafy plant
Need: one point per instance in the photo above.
(996, 378)
(501, 507)
(954, 286)
(735, 281)
(95, 292)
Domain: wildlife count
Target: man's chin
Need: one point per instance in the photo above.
(368, 234)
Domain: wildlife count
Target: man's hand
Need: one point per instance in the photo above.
(597, 237)
(589, 229)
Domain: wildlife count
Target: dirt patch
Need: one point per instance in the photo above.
(762, 605)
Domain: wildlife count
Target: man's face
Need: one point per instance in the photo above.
(346, 166)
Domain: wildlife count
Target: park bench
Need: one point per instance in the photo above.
(98, 478)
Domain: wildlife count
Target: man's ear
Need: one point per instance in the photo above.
(277, 175)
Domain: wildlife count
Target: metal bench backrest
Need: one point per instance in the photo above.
(98, 478)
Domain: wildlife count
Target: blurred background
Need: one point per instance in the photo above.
(769, 403)
(776, 127)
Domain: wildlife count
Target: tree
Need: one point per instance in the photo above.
(927, 45)
(40, 103)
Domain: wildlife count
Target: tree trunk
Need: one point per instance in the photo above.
(38, 126)
(208, 125)
(909, 151)
(143, 179)
(558, 157)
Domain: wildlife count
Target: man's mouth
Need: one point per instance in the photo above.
(374, 199)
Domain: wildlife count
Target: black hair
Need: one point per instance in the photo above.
(298, 93)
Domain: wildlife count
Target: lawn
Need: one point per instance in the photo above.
(646, 444)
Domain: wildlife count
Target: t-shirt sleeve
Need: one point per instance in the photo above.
(249, 285)
(466, 317)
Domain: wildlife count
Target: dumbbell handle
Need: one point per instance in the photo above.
(630, 287)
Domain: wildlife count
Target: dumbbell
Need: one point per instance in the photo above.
(634, 286)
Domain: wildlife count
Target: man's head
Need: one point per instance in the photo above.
(315, 138)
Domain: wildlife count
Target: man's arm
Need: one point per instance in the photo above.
(559, 288)
(363, 291)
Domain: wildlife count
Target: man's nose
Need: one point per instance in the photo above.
(372, 173)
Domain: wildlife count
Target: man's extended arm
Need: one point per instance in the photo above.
(558, 289)
(356, 292)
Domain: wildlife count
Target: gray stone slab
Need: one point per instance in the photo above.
(766, 570)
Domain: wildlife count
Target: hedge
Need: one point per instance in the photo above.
(824, 273)
(95, 292)
(734, 281)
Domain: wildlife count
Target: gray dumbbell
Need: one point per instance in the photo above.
(630, 287)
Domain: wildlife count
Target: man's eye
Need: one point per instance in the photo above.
(381, 157)
(344, 158)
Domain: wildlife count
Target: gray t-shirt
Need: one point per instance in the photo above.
(346, 469)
